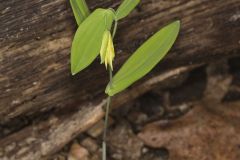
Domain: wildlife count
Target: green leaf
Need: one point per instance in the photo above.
(125, 8)
(144, 59)
(88, 38)
(80, 10)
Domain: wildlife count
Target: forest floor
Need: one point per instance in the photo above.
(195, 119)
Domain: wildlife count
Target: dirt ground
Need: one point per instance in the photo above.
(196, 118)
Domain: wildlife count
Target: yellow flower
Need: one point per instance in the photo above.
(107, 53)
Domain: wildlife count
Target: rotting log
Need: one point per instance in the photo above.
(48, 136)
(35, 40)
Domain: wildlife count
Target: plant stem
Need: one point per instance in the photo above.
(107, 109)
(114, 29)
(104, 157)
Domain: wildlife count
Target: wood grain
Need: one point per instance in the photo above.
(35, 41)
(45, 137)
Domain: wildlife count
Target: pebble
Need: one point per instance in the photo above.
(78, 152)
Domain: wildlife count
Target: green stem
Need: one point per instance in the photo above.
(104, 157)
(114, 29)
(107, 109)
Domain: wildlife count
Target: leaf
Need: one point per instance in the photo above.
(144, 59)
(88, 38)
(80, 10)
(125, 8)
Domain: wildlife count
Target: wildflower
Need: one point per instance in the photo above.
(107, 53)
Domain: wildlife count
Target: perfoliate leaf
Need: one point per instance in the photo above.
(88, 38)
(80, 10)
(144, 59)
(125, 8)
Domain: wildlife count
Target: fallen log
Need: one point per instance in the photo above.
(36, 38)
(48, 136)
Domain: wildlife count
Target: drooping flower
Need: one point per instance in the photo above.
(107, 53)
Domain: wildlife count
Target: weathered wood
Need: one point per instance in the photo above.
(48, 136)
(35, 40)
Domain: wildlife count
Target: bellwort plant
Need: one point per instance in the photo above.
(94, 37)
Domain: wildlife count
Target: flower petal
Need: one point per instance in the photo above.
(104, 45)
